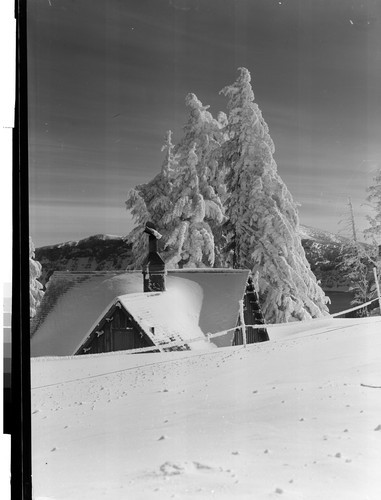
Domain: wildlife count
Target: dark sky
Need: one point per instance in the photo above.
(107, 78)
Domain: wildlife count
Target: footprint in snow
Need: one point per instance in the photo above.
(171, 469)
(378, 428)
(200, 466)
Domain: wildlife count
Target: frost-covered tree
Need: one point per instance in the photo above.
(348, 223)
(207, 134)
(151, 202)
(356, 263)
(198, 190)
(356, 266)
(262, 217)
(35, 287)
(373, 232)
(184, 200)
(191, 240)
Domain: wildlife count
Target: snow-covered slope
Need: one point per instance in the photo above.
(298, 417)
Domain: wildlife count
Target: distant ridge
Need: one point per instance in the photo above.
(320, 235)
(83, 241)
(112, 252)
(306, 232)
(94, 253)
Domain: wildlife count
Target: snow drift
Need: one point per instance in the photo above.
(297, 417)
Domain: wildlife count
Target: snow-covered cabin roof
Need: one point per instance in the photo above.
(196, 301)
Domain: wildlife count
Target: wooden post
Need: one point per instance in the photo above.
(243, 326)
(377, 287)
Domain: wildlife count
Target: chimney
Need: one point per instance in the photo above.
(153, 266)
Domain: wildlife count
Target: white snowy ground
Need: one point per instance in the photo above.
(298, 417)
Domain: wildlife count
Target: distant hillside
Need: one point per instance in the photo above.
(323, 253)
(101, 252)
(96, 253)
(320, 236)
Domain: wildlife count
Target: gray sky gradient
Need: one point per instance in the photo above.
(107, 78)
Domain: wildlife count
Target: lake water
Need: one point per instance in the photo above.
(340, 301)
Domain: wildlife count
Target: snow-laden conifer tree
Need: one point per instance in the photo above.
(356, 266)
(191, 179)
(373, 232)
(35, 287)
(356, 263)
(198, 191)
(262, 216)
(190, 241)
(207, 134)
(151, 202)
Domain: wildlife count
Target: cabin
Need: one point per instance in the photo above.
(106, 311)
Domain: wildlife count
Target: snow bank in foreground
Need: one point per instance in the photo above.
(297, 417)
